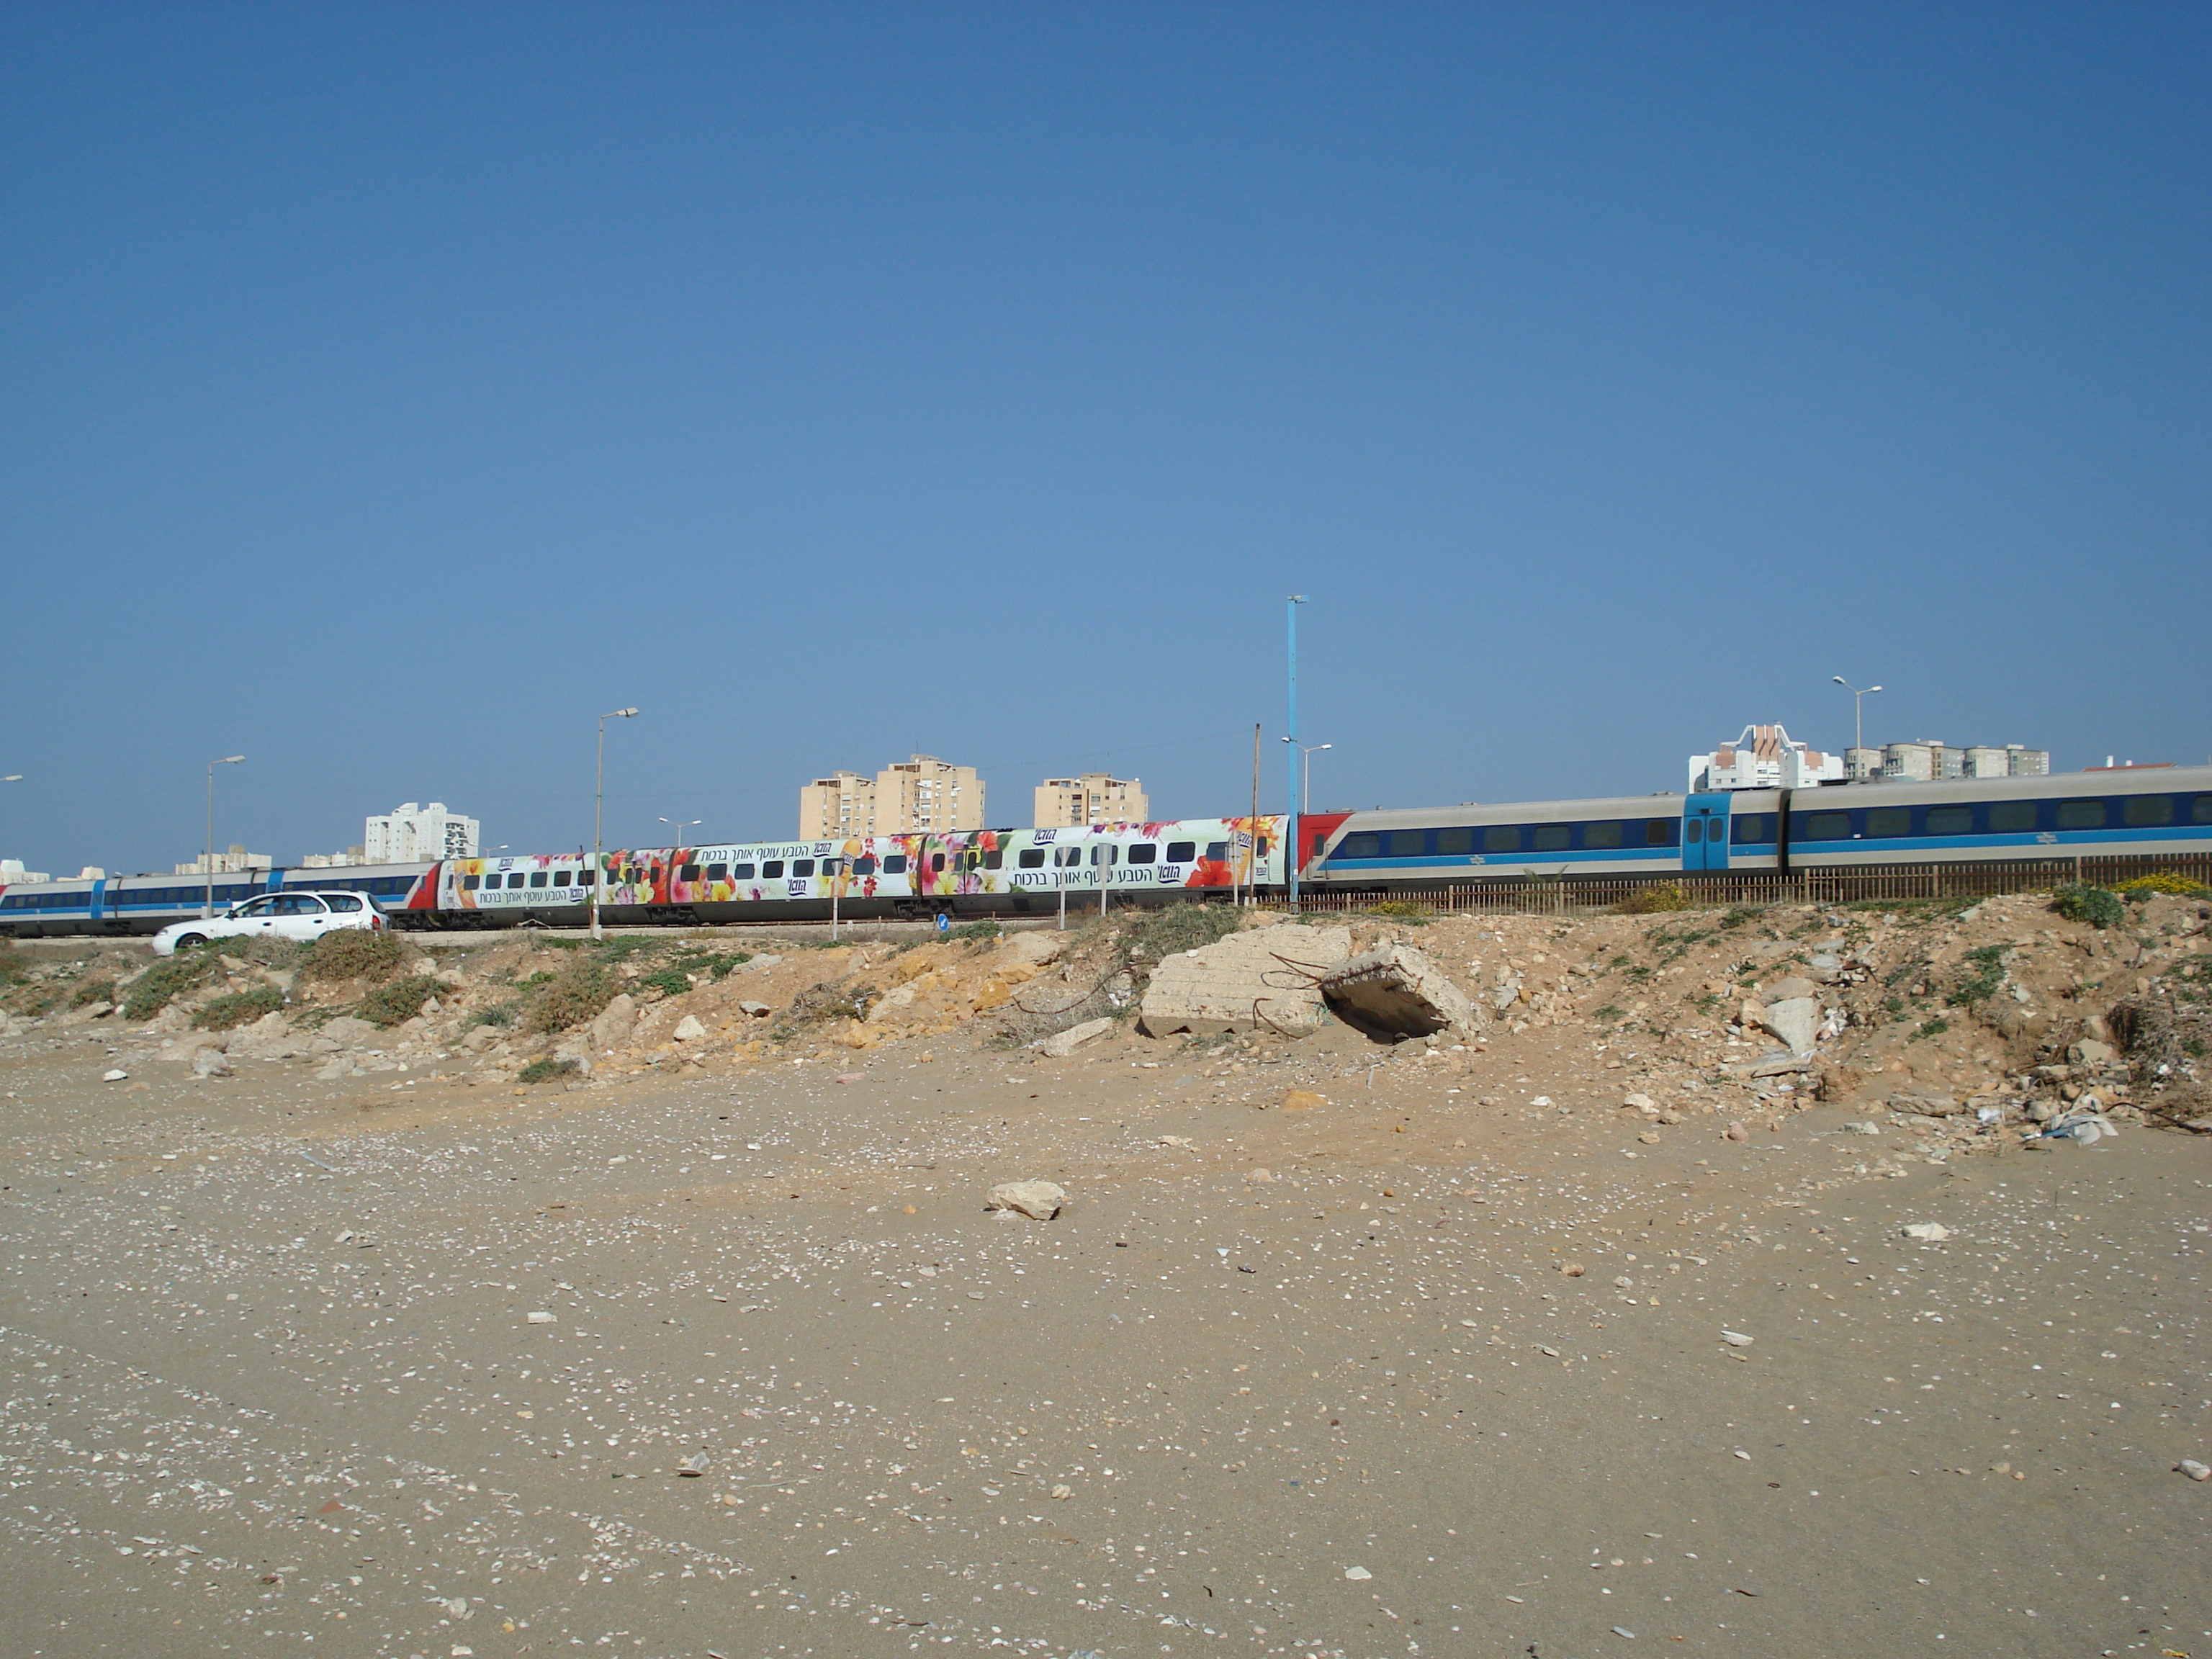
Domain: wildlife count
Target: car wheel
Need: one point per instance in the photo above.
(189, 941)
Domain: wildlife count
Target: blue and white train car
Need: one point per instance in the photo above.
(2161, 811)
(145, 904)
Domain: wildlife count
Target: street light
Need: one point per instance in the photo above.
(679, 825)
(207, 900)
(1858, 725)
(1306, 773)
(598, 803)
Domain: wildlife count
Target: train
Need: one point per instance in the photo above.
(2143, 812)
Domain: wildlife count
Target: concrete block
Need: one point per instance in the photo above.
(1264, 979)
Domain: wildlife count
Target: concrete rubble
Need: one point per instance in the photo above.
(1394, 990)
(1267, 979)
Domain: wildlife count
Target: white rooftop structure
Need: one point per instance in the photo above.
(1764, 757)
(413, 834)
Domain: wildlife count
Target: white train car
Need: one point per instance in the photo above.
(973, 872)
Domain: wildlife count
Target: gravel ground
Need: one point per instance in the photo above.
(1319, 1383)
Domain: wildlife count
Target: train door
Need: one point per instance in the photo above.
(1705, 832)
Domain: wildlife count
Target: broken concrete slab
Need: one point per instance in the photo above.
(1062, 1044)
(1267, 979)
(1396, 991)
(1796, 1021)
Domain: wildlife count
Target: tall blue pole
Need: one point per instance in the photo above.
(1290, 817)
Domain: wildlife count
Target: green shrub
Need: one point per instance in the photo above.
(502, 1014)
(670, 982)
(1987, 963)
(1177, 927)
(239, 1008)
(1403, 910)
(1933, 1028)
(2079, 901)
(89, 991)
(166, 979)
(1608, 1014)
(544, 1071)
(399, 999)
(2161, 881)
(1649, 900)
(568, 997)
(975, 930)
(354, 953)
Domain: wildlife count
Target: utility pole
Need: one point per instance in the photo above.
(1291, 851)
(1252, 835)
(599, 803)
(207, 900)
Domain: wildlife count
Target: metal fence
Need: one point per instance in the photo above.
(1719, 889)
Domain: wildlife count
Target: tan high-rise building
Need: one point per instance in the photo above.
(843, 803)
(921, 795)
(1094, 797)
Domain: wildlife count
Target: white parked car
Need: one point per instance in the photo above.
(305, 916)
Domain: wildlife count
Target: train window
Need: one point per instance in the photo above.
(1360, 847)
(1889, 821)
(718, 873)
(802, 867)
(1265, 843)
(1032, 858)
(1182, 852)
(1693, 831)
(994, 859)
(2142, 812)
(1752, 828)
(1659, 832)
(1601, 835)
(1408, 843)
(1826, 826)
(2201, 812)
(772, 871)
(1144, 852)
(833, 866)
(1553, 837)
(1502, 838)
(1950, 820)
(1218, 851)
(2014, 816)
(561, 878)
(1449, 841)
(893, 863)
(2081, 815)
(741, 873)
(470, 884)
(936, 862)
(691, 872)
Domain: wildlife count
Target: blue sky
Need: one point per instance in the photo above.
(386, 391)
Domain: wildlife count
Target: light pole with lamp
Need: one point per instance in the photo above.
(679, 825)
(207, 901)
(1306, 773)
(1291, 851)
(599, 804)
(1858, 725)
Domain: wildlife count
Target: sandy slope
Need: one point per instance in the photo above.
(282, 1387)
